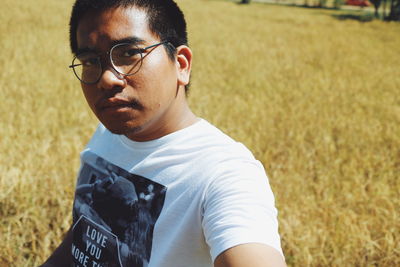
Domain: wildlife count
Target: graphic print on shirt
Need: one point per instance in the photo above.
(114, 215)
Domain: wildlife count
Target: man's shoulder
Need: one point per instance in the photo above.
(206, 138)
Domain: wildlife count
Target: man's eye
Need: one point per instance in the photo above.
(89, 62)
(130, 53)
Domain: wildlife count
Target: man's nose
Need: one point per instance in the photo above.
(111, 79)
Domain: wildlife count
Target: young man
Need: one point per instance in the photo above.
(157, 186)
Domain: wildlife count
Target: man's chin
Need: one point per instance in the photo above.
(123, 130)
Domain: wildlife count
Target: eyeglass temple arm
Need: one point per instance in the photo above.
(154, 45)
(74, 65)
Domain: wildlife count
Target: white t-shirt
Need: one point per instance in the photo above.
(179, 200)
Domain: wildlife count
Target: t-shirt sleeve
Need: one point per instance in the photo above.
(239, 208)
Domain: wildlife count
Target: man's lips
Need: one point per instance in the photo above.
(116, 102)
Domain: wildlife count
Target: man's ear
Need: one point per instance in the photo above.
(183, 64)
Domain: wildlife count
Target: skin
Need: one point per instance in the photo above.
(252, 254)
(148, 105)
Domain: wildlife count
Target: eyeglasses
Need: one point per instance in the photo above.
(126, 59)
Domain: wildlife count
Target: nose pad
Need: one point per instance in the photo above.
(110, 79)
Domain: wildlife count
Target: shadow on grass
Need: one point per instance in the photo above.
(362, 17)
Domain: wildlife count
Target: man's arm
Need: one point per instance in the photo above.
(61, 257)
(251, 254)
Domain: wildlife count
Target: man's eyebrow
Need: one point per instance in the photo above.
(131, 40)
(84, 50)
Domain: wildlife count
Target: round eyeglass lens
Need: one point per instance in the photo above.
(126, 58)
(87, 67)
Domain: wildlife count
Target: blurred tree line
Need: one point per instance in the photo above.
(394, 9)
(392, 15)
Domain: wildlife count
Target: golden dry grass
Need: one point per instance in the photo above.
(315, 98)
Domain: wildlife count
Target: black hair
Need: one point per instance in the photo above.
(165, 19)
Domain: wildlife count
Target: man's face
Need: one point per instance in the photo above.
(142, 106)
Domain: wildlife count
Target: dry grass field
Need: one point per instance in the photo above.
(315, 98)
